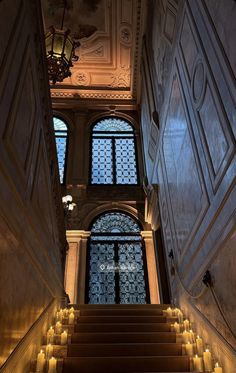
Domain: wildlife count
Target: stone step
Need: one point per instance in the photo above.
(122, 327)
(121, 312)
(125, 337)
(124, 349)
(121, 319)
(120, 306)
(126, 364)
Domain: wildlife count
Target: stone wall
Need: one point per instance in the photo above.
(32, 238)
(189, 128)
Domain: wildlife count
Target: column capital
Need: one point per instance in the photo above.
(77, 235)
(146, 234)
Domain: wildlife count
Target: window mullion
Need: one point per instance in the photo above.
(114, 160)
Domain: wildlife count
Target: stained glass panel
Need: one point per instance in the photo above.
(116, 267)
(61, 136)
(112, 124)
(131, 279)
(114, 222)
(113, 153)
(126, 170)
(101, 282)
(102, 165)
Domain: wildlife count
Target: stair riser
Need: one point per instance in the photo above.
(121, 312)
(126, 364)
(76, 350)
(122, 306)
(124, 337)
(158, 327)
(121, 319)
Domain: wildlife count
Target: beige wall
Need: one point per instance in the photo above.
(189, 79)
(31, 241)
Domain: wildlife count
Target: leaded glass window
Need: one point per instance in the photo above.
(113, 153)
(116, 261)
(61, 136)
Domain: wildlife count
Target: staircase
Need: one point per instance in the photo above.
(124, 338)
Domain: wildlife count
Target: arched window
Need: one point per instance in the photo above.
(113, 152)
(61, 136)
(116, 268)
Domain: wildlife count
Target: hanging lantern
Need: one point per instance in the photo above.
(60, 52)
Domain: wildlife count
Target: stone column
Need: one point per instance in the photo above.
(75, 271)
(151, 267)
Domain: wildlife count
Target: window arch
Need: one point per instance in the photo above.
(61, 136)
(116, 261)
(113, 158)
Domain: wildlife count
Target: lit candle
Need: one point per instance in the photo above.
(192, 336)
(218, 369)
(71, 310)
(169, 312)
(180, 317)
(71, 318)
(189, 349)
(197, 364)
(207, 360)
(49, 351)
(50, 335)
(52, 365)
(58, 327)
(185, 337)
(186, 324)
(199, 344)
(176, 327)
(59, 315)
(40, 361)
(65, 312)
(64, 338)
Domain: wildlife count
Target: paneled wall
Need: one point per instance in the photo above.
(189, 81)
(31, 220)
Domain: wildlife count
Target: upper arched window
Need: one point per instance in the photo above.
(61, 136)
(113, 152)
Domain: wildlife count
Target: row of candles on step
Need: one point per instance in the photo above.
(42, 357)
(193, 344)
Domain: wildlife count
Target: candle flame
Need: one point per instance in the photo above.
(198, 337)
(217, 365)
(196, 355)
(41, 351)
(207, 350)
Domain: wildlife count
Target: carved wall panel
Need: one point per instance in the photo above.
(185, 181)
(196, 162)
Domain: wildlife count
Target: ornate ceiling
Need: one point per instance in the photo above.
(109, 58)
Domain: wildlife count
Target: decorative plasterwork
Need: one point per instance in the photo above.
(109, 58)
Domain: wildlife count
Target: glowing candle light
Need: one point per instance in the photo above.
(65, 312)
(50, 335)
(169, 312)
(192, 336)
(189, 349)
(176, 327)
(186, 336)
(40, 361)
(180, 317)
(71, 310)
(197, 364)
(52, 365)
(49, 351)
(58, 327)
(64, 338)
(207, 359)
(71, 318)
(186, 324)
(218, 369)
(199, 344)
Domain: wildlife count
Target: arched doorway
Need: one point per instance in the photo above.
(116, 262)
